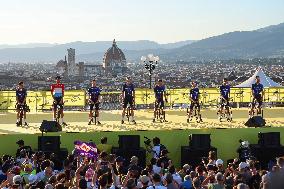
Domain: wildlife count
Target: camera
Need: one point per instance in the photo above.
(147, 141)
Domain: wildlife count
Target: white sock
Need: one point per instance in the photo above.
(18, 120)
(122, 117)
(62, 120)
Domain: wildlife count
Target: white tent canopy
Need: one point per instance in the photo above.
(264, 80)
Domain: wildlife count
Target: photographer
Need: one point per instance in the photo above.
(157, 148)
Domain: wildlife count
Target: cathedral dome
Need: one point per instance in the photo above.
(114, 56)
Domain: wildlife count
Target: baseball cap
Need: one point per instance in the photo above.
(144, 179)
(17, 179)
(134, 159)
(219, 162)
(243, 165)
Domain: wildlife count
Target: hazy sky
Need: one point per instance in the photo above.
(59, 21)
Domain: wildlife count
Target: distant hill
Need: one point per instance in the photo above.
(87, 50)
(265, 42)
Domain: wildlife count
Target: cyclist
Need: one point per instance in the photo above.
(257, 94)
(160, 95)
(21, 95)
(194, 98)
(128, 96)
(57, 92)
(94, 95)
(224, 98)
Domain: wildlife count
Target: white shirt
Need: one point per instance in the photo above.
(157, 187)
(156, 169)
(177, 178)
(156, 151)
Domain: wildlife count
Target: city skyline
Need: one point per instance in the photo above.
(161, 21)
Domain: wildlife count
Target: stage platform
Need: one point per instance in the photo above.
(174, 134)
(111, 121)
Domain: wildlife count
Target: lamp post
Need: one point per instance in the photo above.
(150, 63)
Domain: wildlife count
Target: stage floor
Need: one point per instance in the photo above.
(78, 121)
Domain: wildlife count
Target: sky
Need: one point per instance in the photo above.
(163, 21)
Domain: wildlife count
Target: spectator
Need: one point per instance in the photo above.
(182, 172)
(197, 183)
(157, 182)
(133, 166)
(169, 182)
(187, 183)
(103, 146)
(155, 167)
(219, 182)
(242, 186)
(164, 159)
(220, 167)
(120, 168)
(175, 175)
(22, 146)
(144, 182)
(212, 158)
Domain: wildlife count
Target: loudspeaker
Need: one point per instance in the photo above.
(269, 139)
(265, 154)
(49, 143)
(50, 126)
(193, 156)
(256, 121)
(129, 142)
(201, 141)
(128, 153)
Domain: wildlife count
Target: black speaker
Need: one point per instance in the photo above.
(256, 121)
(49, 143)
(201, 141)
(269, 139)
(193, 156)
(50, 126)
(128, 153)
(265, 154)
(129, 142)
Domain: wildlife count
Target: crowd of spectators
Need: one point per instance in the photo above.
(30, 169)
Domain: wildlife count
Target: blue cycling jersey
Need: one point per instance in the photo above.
(225, 91)
(159, 91)
(94, 93)
(194, 93)
(257, 89)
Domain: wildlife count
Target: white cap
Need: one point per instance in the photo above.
(17, 179)
(243, 165)
(219, 162)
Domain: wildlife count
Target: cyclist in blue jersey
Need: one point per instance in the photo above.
(94, 101)
(128, 95)
(224, 99)
(194, 98)
(160, 95)
(257, 94)
(21, 95)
